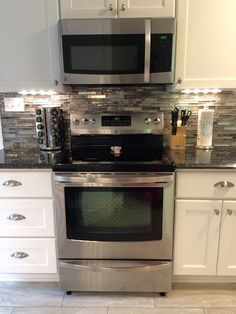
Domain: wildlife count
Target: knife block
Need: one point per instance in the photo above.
(178, 141)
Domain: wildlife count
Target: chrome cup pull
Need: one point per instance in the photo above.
(224, 184)
(123, 7)
(19, 255)
(111, 7)
(11, 183)
(217, 212)
(229, 212)
(16, 217)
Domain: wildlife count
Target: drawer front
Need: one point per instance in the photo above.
(26, 218)
(27, 256)
(18, 184)
(214, 185)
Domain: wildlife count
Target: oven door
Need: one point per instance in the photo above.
(114, 216)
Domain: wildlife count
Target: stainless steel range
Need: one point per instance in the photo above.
(115, 205)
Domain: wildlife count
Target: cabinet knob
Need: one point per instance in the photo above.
(229, 212)
(16, 217)
(111, 7)
(19, 255)
(123, 7)
(224, 184)
(56, 82)
(217, 212)
(179, 81)
(11, 183)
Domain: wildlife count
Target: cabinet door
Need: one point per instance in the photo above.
(29, 57)
(227, 248)
(206, 45)
(147, 8)
(84, 9)
(196, 238)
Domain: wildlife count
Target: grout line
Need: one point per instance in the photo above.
(62, 302)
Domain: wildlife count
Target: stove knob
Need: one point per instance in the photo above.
(86, 121)
(40, 141)
(157, 120)
(76, 121)
(93, 121)
(38, 111)
(40, 126)
(40, 134)
(148, 120)
(38, 119)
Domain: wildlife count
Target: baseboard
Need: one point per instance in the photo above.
(204, 282)
(29, 277)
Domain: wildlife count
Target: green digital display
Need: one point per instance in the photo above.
(163, 37)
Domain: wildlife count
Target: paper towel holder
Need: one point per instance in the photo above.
(205, 128)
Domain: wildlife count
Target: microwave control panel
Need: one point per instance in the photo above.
(161, 53)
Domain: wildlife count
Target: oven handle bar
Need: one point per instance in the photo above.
(114, 181)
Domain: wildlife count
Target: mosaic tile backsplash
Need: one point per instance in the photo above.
(19, 127)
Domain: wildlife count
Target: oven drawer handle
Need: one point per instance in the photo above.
(109, 269)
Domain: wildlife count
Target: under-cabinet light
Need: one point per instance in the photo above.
(35, 92)
(201, 91)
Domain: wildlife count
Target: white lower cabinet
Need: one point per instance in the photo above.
(27, 256)
(205, 229)
(27, 231)
(197, 226)
(227, 247)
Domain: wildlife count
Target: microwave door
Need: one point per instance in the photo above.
(117, 53)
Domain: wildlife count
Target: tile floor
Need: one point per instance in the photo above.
(46, 298)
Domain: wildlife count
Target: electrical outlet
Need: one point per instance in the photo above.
(14, 104)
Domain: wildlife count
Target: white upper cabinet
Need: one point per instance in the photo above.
(206, 44)
(83, 9)
(29, 54)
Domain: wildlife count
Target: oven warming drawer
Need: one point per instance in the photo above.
(115, 275)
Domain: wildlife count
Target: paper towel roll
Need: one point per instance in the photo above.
(205, 128)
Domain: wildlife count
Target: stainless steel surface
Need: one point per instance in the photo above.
(16, 217)
(19, 255)
(111, 275)
(102, 26)
(229, 212)
(120, 26)
(217, 212)
(224, 184)
(115, 250)
(147, 56)
(138, 124)
(12, 183)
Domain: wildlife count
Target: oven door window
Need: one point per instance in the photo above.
(114, 214)
(103, 54)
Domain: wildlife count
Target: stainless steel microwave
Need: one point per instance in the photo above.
(117, 51)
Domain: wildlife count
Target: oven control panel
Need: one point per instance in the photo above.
(115, 123)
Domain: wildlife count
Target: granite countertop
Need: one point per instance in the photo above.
(28, 159)
(190, 158)
(220, 157)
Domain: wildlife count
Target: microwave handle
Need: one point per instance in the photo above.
(147, 60)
